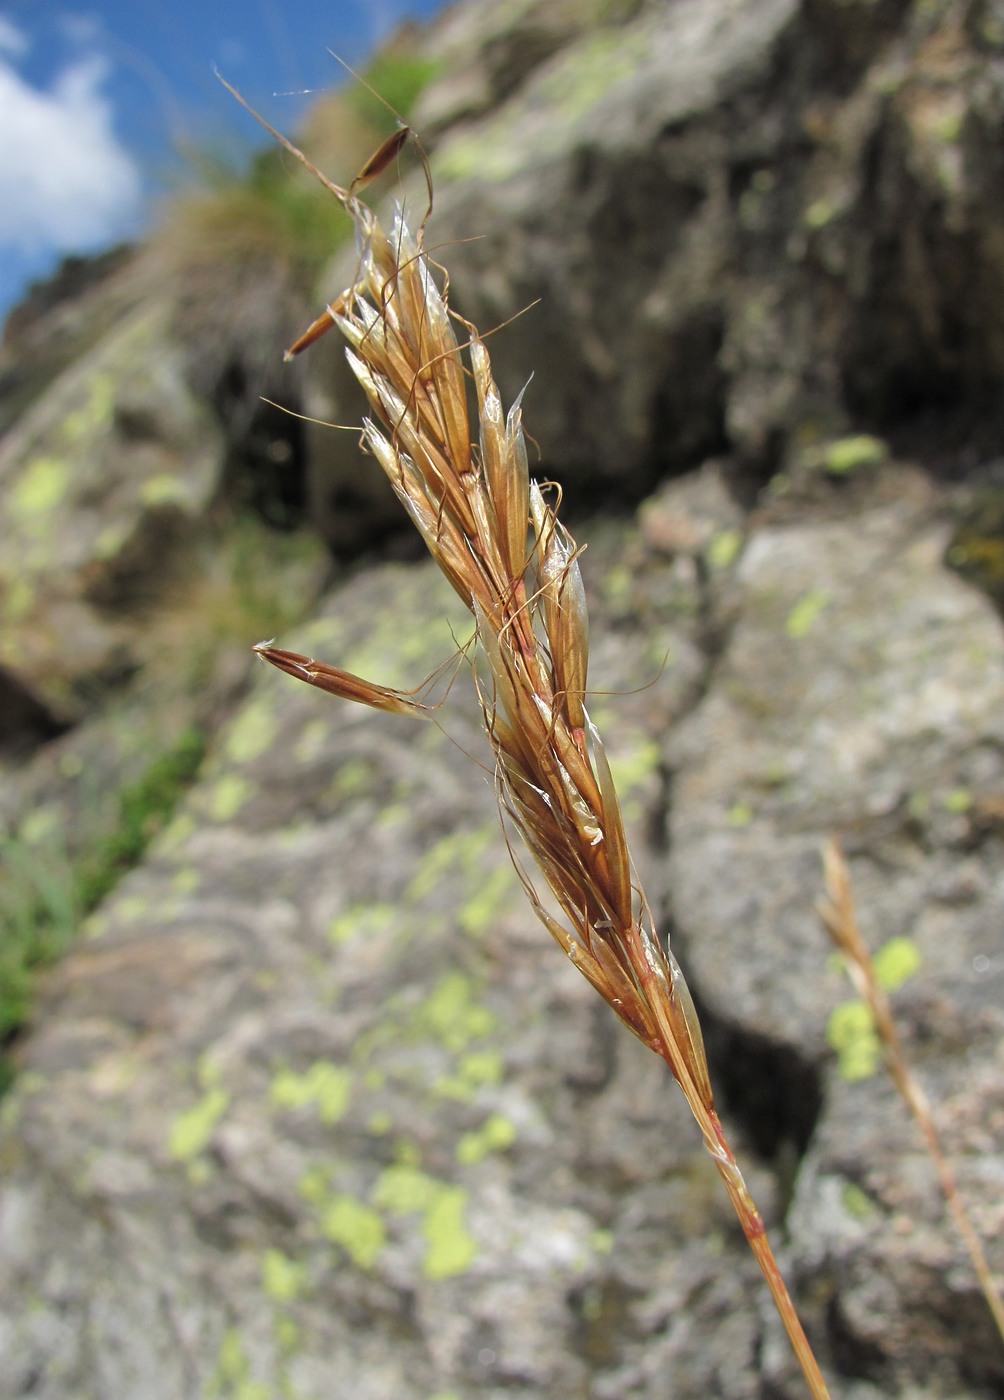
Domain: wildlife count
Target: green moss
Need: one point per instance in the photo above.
(326, 1086)
(47, 892)
(192, 1131)
(144, 807)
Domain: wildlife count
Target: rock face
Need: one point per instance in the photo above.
(742, 225)
(313, 1108)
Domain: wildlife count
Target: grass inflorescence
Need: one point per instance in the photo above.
(496, 536)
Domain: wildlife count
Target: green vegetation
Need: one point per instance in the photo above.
(47, 891)
(399, 76)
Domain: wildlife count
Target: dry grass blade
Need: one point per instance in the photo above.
(499, 542)
(839, 917)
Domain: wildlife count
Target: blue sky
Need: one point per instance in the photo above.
(98, 96)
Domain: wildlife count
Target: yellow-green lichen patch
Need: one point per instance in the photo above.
(850, 454)
(231, 1380)
(162, 490)
(39, 825)
(288, 1335)
(958, 801)
(851, 1033)
(186, 880)
(228, 795)
(896, 962)
(724, 549)
(39, 488)
(131, 908)
(192, 1131)
(325, 1086)
(18, 598)
(354, 779)
(804, 614)
(363, 921)
(401, 648)
(821, 212)
(460, 852)
(253, 730)
(602, 1241)
(740, 814)
(591, 68)
(477, 914)
(355, 1227)
(281, 1277)
(311, 741)
(94, 414)
(451, 1016)
(406, 1190)
(451, 1248)
(857, 1203)
(177, 833)
(481, 1068)
(632, 767)
(496, 1134)
(111, 539)
(617, 586)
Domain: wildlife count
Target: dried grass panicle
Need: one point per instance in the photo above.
(498, 540)
(496, 536)
(839, 915)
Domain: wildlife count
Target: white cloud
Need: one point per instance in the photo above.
(66, 182)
